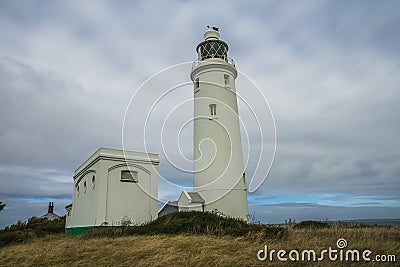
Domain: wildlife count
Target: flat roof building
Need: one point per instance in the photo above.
(114, 187)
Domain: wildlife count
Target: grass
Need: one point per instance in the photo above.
(195, 249)
(198, 240)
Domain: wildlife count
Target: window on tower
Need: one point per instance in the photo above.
(213, 109)
(129, 176)
(226, 79)
(93, 182)
(197, 83)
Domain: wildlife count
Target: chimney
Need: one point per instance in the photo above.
(51, 207)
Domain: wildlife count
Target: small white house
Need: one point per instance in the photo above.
(50, 215)
(191, 201)
(113, 187)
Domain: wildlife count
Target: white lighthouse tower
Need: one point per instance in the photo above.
(218, 161)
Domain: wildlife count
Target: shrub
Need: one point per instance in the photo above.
(312, 224)
(34, 227)
(191, 222)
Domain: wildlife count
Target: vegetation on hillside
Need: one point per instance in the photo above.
(34, 227)
(191, 222)
(312, 224)
(186, 238)
(199, 249)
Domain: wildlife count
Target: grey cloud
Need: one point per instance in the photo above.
(334, 113)
(47, 119)
(18, 182)
(329, 70)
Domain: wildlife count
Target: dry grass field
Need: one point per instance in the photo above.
(199, 250)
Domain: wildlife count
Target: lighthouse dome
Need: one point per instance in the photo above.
(212, 46)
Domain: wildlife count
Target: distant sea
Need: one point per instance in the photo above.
(371, 221)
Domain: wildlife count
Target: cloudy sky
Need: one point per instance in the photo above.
(330, 71)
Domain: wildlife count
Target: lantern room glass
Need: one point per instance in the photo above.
(213, 49)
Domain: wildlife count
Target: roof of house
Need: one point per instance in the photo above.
(173, 204)
(196, 198)
(126, 155)
(50, 216)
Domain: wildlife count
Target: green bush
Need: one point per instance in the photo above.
(191, 222)
(14, 237)
(34, 227)
(312, 224)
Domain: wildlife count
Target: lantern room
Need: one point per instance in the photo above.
(212, 46)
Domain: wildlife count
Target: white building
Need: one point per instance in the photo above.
(111, 187)
(191, 201)
(50, 215)
(114, 186)
(218, 161)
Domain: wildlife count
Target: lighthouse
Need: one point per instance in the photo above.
(217, 153)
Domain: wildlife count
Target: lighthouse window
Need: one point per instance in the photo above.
(197, 83)
(213, 49)
(213, 109)
(84, 187)
(129, 176)
(226, 79)
(77, 190)
(93, 182)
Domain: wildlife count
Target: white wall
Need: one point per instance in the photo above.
(110, 200)
(185, 203)
(218, 163)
